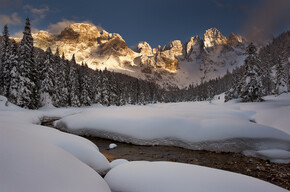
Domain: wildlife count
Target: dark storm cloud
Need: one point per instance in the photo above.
(264, 21)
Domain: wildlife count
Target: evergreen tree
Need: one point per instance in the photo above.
(62, 82)
(287, 69)
(14, 73)
(104, 89)
(84, 86)
(252, 88)
(266, 62)
(114, 92)
(234, 91)
(60, 68)
(57, 71)
(97, 86)
(74, 87)
(281, 77)
(4, 67)
(47, 87)
(28, 95)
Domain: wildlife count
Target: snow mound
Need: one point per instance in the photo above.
(172, 177)
(30, 164)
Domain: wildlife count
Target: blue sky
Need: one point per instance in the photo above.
(154, 21)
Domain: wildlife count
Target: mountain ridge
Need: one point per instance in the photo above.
(175, 65)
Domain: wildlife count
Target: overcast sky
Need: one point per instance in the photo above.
(154, 21)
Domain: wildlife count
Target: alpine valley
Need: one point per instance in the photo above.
(175, 65)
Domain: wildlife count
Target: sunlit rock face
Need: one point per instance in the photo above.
(115, 46)
(213, 37)
(144, 49)
(193, 48)
(174, 65)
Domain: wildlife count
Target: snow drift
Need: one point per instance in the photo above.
(171, 177)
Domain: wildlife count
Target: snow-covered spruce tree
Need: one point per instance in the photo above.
(266, 65)
(114, 91)
(93, 83)
(14, 73)
(251, 84)
(4, 67)
(47, 86)
(84, 85)
(74, 86)
(97, 86)
(28, 95)
(60, 97)
(56, 76)
(281, 77)
(134, 92)
(62, 93)
(234, 91)
(104, 89)
(288, 72)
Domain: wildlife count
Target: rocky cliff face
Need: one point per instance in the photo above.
(174, 65)
(213, 37)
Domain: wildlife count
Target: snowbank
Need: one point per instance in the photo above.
(81, 148)
(29, 163)
(12, 117)
(274, 113)
(199, 125)
(172, 177)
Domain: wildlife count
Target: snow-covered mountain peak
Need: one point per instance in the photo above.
(213, 37)
(193, 46)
